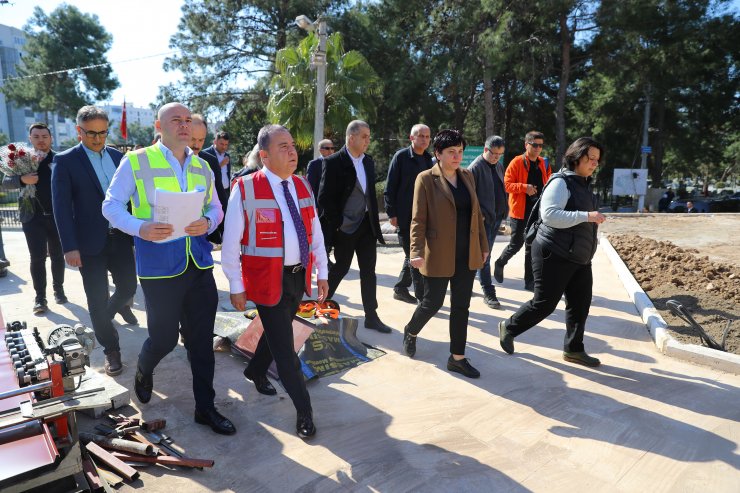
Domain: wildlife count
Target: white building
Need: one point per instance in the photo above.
(143, 116)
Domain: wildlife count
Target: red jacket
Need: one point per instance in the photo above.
(515, 182)
(262, 248)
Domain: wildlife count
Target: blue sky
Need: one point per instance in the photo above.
(156, 19)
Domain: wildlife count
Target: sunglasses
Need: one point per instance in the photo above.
(536, 145)
(328, 148)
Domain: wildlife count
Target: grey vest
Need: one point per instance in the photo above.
(357, 205)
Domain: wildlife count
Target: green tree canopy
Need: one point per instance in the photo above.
(63, 40)
(351, 84)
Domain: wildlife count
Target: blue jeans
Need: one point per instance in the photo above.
(484, 273)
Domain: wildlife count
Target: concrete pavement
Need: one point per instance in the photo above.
(640, 422)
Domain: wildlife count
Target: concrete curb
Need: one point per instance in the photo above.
(657, 327)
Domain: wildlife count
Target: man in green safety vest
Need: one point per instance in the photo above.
(176, 276)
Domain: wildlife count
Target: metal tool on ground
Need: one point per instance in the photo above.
(681, 312)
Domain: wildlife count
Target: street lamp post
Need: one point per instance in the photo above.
(318, 61)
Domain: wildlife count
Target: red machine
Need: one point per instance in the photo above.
(39, 449)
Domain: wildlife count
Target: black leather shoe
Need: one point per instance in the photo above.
(143, 385)
(462, 367)
(60, 297)
(403, 295)
(218, 423)
(113, 365)
(304, 426)
(375, 323)
(128, 316)
(409, 343)
(40, 307)
(498, 272)
(261, 383)
(507, 340)
(4, 263)
(581, 358)
(491, 301)
(3, 271)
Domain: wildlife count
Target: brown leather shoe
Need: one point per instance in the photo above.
(113, 365)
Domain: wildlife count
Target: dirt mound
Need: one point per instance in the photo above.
(709, 290)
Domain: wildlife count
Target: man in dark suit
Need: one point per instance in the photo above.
(405, 166)
(349, 216)
(221, 168)
(197, 140)
(313, 170)
(80, 178)
(38, 221)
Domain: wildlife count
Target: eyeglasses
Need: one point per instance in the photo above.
(327, 148)
(536, 145)
(92, 134)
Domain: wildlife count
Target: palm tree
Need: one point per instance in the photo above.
(351, 84)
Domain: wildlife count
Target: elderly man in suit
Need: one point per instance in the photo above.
(80, 178)
(349, 217)
(313, 170)
(38, 221)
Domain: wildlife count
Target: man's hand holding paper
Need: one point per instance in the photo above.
(197, 228)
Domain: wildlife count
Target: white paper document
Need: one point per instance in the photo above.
(178, 209)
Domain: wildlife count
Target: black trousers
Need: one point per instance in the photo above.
(518, 227)
(42, 238)
(277, 341)
(362, 242)
(435, 289)
(409, 274)
(117, 257)
(186, 303)
(553, 277)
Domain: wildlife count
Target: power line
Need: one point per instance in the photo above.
(75, 69)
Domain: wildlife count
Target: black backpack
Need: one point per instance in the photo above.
(534, 220)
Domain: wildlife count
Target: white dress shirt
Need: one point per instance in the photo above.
(234, 230)
(123, 186)
(224, 170)
(360, 169)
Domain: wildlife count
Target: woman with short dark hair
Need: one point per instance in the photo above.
(562, 253)
(448, 245)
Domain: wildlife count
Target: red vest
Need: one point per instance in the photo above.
(262, 248)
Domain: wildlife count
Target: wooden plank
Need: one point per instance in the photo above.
(116, 463)
(165, 459)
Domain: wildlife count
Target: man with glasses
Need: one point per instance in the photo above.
(406, 164)
(488, 170)
(313, 170)
(38, 221)
(79, 181)
(524, 179)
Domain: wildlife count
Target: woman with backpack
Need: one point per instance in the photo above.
(562, 249)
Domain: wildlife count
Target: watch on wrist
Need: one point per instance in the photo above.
(208, 220)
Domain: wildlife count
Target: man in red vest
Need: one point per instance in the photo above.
(272, 240)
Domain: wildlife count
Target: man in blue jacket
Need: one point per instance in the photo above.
(80, 177)
(399, 196)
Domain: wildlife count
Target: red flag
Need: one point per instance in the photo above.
(124, 132)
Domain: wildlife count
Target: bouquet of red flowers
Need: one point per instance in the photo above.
(17, 160)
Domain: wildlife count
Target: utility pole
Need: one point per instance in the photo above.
(319, 61)
(645, 150)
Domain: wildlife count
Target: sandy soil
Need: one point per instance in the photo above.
(699, 267)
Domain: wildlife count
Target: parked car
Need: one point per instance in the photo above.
(705, 204)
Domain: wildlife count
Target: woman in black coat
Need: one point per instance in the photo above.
(562, 252)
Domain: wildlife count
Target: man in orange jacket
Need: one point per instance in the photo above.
(524, 180)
